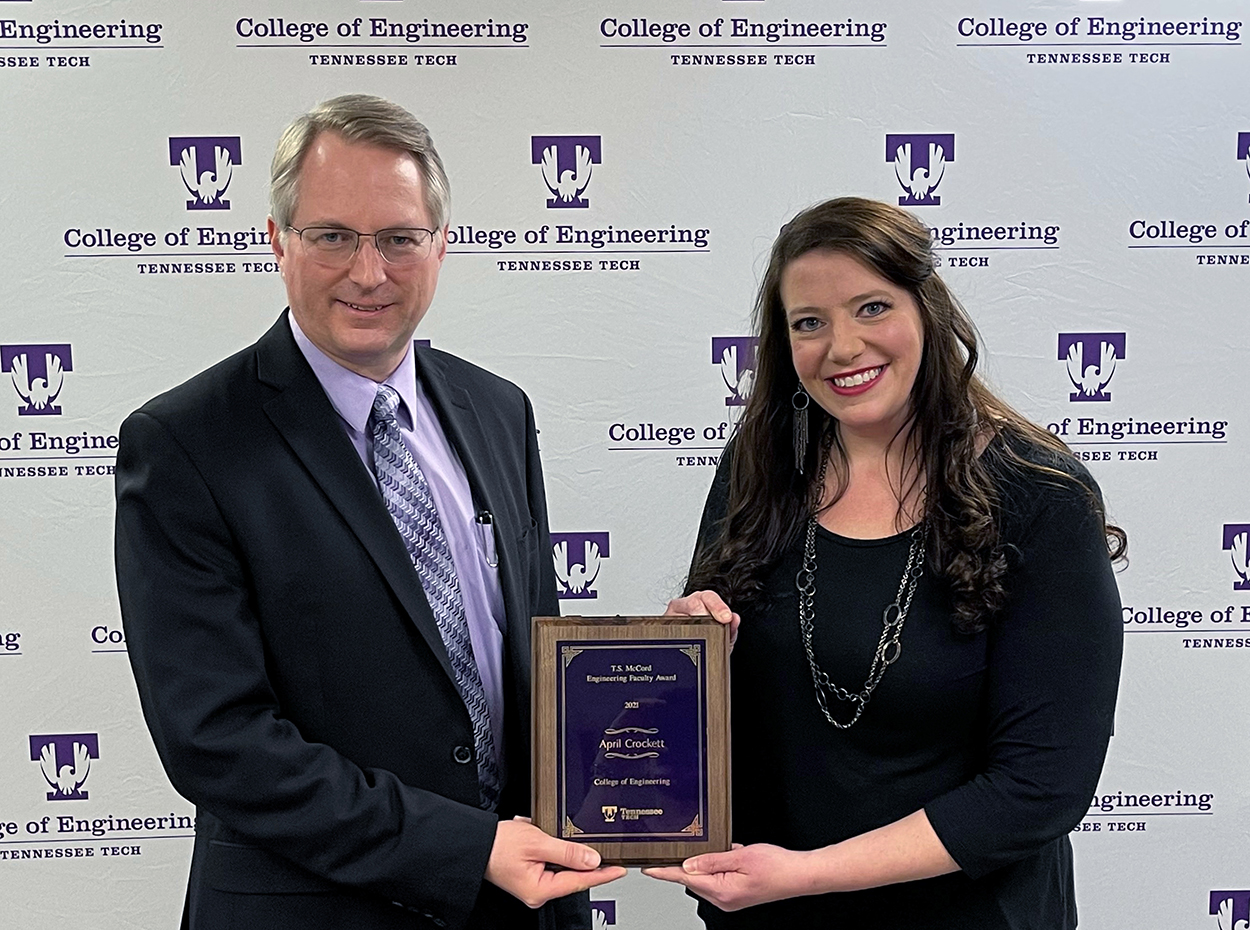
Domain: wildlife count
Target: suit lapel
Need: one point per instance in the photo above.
(476, 446)
(460, 419)
(304, 417)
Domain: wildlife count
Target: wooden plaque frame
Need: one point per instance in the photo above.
(546, 666)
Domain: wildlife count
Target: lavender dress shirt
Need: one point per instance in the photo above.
(472, 544)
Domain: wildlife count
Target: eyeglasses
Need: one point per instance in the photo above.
(335, 246)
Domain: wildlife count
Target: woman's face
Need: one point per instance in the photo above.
(856, 341)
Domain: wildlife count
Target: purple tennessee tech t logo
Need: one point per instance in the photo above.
(920, 161)
(1091, 359)
(566, 162)
(735, 355)
(1231, 909)
(1237, 544)
(65, 760)
(38, 373)
(207, 164)
(578, 558)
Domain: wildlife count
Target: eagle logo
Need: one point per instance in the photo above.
(69, 778)
(38, 375)
(206, 164)
(65, 761)
(920, 161)
(1091, 360)
(735, 357)
(567, 186)
(924, 179)
(39, 393)
(206, 186)
(738, 378)
(567, 163)
(1091, 378)
(576, 578)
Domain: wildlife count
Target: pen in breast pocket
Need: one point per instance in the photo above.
(486, 534)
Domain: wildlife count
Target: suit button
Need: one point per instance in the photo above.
(462, 754)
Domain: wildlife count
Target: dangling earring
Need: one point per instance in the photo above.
(800, 401)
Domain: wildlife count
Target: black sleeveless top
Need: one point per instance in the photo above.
(1000, 736)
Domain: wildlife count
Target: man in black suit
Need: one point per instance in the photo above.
(329, 547)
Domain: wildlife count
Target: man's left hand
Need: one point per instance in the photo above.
(519, 864)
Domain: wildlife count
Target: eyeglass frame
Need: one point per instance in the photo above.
(360, 235)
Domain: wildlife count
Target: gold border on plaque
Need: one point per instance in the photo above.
(691, 652)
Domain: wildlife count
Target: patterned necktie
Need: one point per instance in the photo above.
(408, 498)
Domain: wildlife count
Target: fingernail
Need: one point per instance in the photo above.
(690, 865)
(590, 858)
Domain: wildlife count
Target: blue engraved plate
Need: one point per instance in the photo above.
(631, 740)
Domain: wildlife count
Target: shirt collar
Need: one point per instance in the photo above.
(352, 394)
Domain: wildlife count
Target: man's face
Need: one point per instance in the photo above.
(364, 313)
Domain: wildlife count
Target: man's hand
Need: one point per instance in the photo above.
(703, 604)
(519, 859)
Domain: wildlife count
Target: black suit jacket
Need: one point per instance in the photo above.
(288, 664)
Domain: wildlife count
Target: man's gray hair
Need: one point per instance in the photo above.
(360, 118)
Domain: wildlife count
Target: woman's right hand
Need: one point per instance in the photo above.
(703, 604)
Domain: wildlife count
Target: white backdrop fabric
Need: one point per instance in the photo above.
(1092, 203)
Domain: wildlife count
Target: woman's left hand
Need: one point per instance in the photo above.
(704, 604)
(744, 876)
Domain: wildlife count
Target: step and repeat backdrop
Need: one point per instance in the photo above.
(618, 171)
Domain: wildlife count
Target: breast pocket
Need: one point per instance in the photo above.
(484, 536)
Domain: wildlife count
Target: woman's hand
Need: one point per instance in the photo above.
(904, 851)
(702, 604)
(744, 876)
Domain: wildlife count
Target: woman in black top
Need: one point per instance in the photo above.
(924, 684)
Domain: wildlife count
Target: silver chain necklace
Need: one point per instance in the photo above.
(889, 647)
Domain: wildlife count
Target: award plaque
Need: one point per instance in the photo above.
(631, 735)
